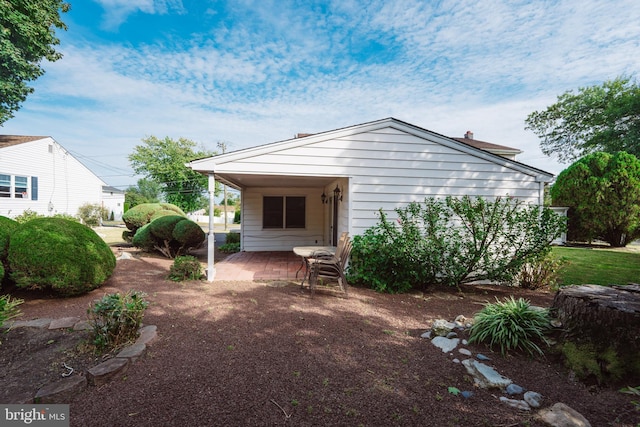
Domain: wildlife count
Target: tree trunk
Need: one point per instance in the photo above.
(603, 316)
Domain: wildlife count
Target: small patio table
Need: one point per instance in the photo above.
(305, 252)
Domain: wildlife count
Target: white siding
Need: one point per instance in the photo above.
(64, 184)
(383, 165)
(113, 201)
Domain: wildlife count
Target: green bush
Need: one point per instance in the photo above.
(144, 213)
(92, 214)
(511, 324)
(229, 248)
(171, 235)
(115, 319)
(27, 215)
(65, 216)
(185, 268)
(232, 238)
(65, 256)
(7, 225)
(452, 241)
(541, 272)
(189, 234)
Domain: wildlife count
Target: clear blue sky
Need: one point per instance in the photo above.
(253, 72)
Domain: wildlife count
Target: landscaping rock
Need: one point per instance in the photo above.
(148, 334)
(533, 399)
(561, 415)
(442, 327)
(62, 391)
(513, 389)
(82, 325)
(452, 335)
(463, 322)
(482, 357)
(133, 352)
(445, 344)
(514, 403)
(485, 376)
(36, 323)
(464, 351)
(64, 323)
(106, 371)
(426, 335)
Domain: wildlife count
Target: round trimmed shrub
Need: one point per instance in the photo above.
(189, 234)
(7, 225)
(58, 254)
(172, 235)
(144, 213)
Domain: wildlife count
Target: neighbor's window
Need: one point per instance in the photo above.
(5, 185)
(283, 211)
(21, 187)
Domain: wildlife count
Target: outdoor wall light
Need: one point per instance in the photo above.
(337, 193)
(324, 198)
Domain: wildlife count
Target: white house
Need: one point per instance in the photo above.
(306, 190)
(38, 174)
(113, 201)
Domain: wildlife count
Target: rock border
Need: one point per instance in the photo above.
(443, 335)
(64, 390)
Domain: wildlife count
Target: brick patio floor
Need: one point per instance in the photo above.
(259, 266)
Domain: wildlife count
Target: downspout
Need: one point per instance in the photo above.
(211, 270)
(541, 182)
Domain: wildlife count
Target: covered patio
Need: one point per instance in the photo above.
(267, 265)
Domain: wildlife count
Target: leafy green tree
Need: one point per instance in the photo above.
(596, 118)
(27, 36)
(603, 192)
(164, 162)
(146, 191)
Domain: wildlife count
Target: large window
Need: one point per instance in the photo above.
(5, 185)
(21, 187)
(17, 187)
(283, 212)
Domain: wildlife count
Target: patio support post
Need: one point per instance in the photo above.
(211, 271)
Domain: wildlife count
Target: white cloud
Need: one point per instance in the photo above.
(449, 66)
(117, 11)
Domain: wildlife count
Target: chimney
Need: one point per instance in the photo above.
(468, 135)
(302, 135)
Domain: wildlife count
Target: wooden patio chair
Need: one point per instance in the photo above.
(329, 267)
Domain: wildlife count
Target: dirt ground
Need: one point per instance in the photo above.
(249, 353)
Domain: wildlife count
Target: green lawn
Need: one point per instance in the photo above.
(599, 266)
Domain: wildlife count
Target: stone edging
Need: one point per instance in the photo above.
(62, 391)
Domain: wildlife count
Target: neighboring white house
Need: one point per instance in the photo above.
(38, 174)
(113, 201)
(307, 190)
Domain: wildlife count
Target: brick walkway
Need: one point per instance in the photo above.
(259, 266)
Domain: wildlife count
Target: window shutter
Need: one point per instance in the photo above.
(34, 188)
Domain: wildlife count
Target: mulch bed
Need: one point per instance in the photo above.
(247, 353)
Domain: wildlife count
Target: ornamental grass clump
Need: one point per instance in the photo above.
(9, 309)
(116, 318)
(511, 324)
